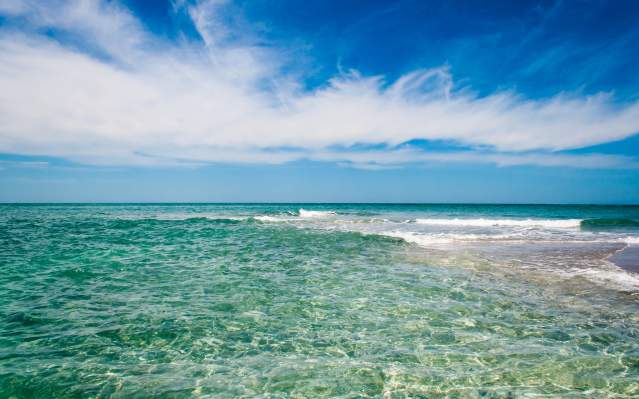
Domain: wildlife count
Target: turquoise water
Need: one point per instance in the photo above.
(297, 301)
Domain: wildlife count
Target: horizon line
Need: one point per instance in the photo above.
(315, 203)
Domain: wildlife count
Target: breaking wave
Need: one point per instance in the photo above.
(315, 214)
(632, 240)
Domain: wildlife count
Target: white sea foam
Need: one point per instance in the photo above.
(419, 239)
(614, 276)
(266, 218)
(545, 223)
(631, 240)
(314, 214)
(361, 221)
(611, 276)
(237, 218)
(430, 239)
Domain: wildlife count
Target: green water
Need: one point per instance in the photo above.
(167, 301)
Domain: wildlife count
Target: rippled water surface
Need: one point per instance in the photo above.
(349, 301)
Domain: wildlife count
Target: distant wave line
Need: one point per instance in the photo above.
(547, 223)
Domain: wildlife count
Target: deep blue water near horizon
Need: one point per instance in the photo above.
(318, 300)
(584, 211)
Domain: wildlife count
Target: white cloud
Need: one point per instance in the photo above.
(142, 100)
(386, 159)
(102, 26)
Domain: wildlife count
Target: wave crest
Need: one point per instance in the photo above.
(632, 240)
(314, 214)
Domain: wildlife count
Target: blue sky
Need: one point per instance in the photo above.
(365, 101)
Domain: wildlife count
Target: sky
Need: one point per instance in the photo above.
(319, 101)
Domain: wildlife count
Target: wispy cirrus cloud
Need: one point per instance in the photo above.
(116, 94)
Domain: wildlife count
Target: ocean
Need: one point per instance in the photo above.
(319, 301)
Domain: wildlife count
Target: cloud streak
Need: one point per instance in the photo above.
(122, 96)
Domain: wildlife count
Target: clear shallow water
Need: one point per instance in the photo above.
(317, 301)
